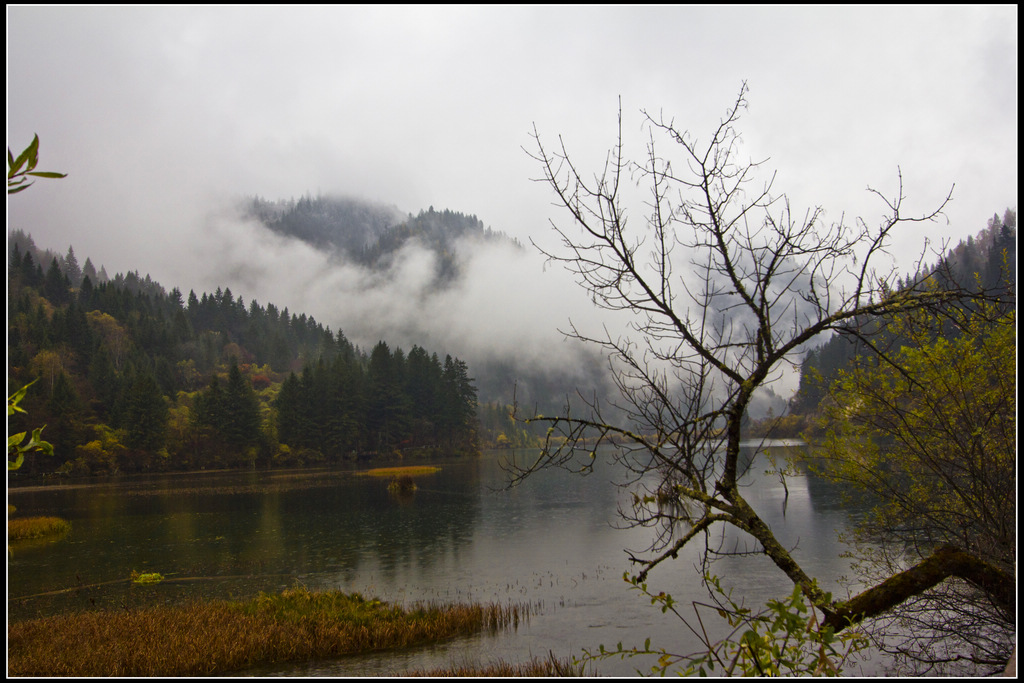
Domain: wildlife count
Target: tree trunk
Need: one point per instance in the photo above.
(945, 562)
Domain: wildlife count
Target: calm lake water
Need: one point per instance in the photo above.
(552, 543)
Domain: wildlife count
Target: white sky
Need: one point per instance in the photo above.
(162, 115)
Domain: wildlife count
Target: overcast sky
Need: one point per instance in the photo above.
(161, 116)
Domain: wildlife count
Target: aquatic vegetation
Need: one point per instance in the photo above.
(37, 528)
(403, 485)
(146, 579)
(409, 470)
(219, 637)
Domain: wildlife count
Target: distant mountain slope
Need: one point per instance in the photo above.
(370, 234)
(345, 225)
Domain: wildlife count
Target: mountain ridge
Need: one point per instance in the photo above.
(371, 234)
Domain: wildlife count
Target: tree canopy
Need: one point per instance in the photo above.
(931, 436)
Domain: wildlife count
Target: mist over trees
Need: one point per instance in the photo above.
(370, 234)
(345, 225)
(135, 378)
(439, 274)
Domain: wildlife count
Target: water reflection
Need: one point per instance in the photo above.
(551, 543)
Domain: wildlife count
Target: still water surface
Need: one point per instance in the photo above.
(555, 543)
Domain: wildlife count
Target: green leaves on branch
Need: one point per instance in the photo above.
(783, 639)
(19, 170)
(16, 444)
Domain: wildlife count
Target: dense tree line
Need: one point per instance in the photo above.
(347, 407)
(135, 378)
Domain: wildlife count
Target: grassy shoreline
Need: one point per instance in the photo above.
(220, 637)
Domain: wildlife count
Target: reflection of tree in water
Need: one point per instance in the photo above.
(359, 523)
(530, 502)
(237, 533)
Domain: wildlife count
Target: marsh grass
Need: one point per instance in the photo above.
(219, 637)
(535, 668)
(33, 528)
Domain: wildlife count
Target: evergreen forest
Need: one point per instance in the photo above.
(128, 377)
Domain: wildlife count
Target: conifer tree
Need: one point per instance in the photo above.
(89, 271)
(240, 424)
(146, 414)
(72, 269)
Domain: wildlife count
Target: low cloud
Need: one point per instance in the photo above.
(505, 307)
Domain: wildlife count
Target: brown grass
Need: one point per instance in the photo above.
(36, 527)
(550, 667)
(218, 637)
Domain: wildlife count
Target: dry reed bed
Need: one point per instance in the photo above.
(25, 528)
(217, 637)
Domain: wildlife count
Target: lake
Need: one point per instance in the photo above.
(462, 536)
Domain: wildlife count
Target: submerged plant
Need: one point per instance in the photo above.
(403, 485)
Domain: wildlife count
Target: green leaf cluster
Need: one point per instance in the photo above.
(784, 638)
(932, 436)
(17, 446)
(20, 169)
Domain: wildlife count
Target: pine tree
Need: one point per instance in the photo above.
(72, 269)
(89, 271)
(209, 409)
(241, 418)
(458, 404)
(56, 285)
(289, 411)
(387, 404)
(146, 415)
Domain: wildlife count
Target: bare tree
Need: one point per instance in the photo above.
(723, 287)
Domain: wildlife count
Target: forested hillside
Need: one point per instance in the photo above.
(129, 377)
(370, 234)
(981, 262)
(372, 237)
